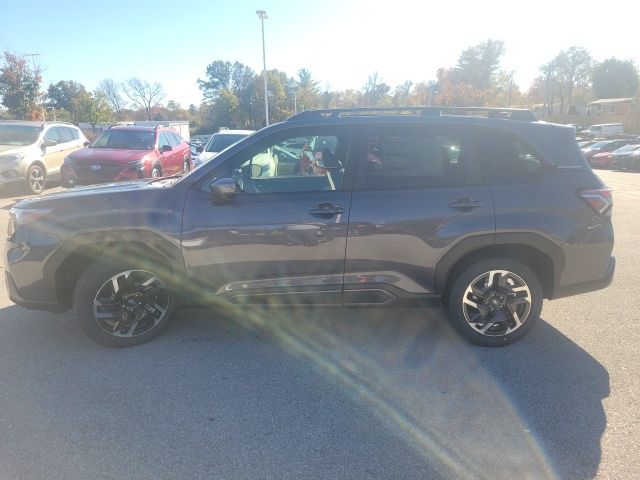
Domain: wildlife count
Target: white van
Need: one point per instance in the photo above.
(605, 129)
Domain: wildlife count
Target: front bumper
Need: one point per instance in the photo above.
(15, 297)
(71, 177)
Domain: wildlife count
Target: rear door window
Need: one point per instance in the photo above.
(413, 157)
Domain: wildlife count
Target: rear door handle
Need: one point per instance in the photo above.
(326, 210)
(465, 204)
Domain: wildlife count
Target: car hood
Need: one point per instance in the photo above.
(9, 149)
(115, 155)
(206, 156)
(79, 193)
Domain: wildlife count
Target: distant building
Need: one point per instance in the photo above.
(624, 110)
(616, 106)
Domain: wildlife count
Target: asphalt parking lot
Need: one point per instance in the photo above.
(339, 393)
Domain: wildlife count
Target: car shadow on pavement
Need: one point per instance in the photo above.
(298, 393)
(19, 191)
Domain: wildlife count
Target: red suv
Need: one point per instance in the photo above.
(127, 153)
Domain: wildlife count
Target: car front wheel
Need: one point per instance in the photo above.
(123, 305)
(36, 179)
(495, 302)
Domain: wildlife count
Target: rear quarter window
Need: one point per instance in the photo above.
(505, 159)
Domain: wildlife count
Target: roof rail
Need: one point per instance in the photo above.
(48, 122)
(488, 112)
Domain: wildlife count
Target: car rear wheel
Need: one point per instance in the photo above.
(36, 179)
(123, 305)
(495, 302)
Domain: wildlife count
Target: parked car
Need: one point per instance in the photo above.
(218, 142)
(33, 152)
(418, 205)
(601, 160)
(128, 153)
(603, 146)
(612, 159)
(627, 158)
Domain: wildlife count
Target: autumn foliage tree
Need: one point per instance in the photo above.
(20, 87)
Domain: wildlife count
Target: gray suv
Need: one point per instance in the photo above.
(484, 211)
(32, 152)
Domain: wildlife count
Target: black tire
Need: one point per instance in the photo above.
(156, 172)
(36, 179)
(94, 279)
(498, 334)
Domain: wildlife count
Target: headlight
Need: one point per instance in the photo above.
(24, 216)
(16, 157)
(137, 163)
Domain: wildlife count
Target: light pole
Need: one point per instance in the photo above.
(262, 15)
(33, 59)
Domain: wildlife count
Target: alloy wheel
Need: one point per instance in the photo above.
(496, 303)
(36, 179)
(131, 303)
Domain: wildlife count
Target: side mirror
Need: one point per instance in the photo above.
(49, 143)
(199, 148)
(86, 144)
(223, 188)
(165, 148)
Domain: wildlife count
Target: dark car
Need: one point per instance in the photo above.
(485, 211)
(128, 153)
(627, 158)
(616, 158)
(603, 146)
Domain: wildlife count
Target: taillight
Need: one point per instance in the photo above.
(600, 199)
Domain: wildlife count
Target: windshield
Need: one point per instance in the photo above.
(18, 135)
(125, 139)
(221, 141)
(599, 145)
(627, 148)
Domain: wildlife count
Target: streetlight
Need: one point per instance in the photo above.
(33, 59)
(262, 15)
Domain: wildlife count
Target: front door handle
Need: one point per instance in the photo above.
(465, 204)
(326, 210)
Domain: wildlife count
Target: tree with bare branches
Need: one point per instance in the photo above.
(111, 91)
(143, 94)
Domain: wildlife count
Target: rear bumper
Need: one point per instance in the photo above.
(16, 298)
(589, 286)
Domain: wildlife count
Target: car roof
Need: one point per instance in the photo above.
(138, 128)
(235, 132)
(37, 123)
(21, 122)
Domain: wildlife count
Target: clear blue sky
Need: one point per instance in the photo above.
(340, 41)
